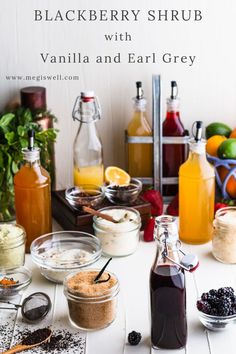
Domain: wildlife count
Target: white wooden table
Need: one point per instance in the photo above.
(133, 310)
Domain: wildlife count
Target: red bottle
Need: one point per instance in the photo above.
(173, 154)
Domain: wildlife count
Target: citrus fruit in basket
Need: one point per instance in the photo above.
(227, 149)
(233, 134)
(117, 176)
(231, 185)
(213, 144)
(217, 129)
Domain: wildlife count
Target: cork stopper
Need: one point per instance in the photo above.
(33, 97)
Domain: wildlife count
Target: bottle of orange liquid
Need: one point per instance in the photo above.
(88, 156)
(196, 193)
(139, 155)
(32, 194)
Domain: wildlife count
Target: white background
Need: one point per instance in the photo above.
(207, 89)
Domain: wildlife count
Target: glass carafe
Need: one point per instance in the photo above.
(88, 159)
(167, 289)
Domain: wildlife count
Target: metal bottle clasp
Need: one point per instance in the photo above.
(189, 262)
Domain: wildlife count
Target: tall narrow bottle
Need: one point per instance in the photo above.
(34, 98)
(167, 290)
(32, 194)
(88, 157)
(140, 156)
(173, 154)
(196, 193)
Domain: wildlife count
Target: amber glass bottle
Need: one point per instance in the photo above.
(32, 195)
(139, 155)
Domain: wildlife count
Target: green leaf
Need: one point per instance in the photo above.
(10, 136)
(6, 119)
(21, 130)
(25, 117)
(14, 167)
(41, 137)
(23, 142)
(1, 181)
(1, 161)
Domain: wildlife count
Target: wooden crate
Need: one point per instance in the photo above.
(71, 219)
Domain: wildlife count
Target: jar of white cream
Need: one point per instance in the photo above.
(12, 246)
(119, 238)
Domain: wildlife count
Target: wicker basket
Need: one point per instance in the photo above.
(230, 166)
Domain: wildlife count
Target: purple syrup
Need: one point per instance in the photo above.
(168, 307)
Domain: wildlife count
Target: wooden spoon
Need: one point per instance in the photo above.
(101, 215)
(20, 347)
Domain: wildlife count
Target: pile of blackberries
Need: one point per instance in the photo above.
(221, 302)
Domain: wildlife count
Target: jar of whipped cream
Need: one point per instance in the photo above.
(224, 235)
(12, 246)
(120, 238)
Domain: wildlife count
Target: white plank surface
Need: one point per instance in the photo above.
(133, 309)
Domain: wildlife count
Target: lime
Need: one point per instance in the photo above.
(217, 129)
(227, 149)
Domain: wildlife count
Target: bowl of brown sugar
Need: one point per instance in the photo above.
(92, 304)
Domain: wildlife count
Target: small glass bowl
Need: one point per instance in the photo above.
(216, 323)
(22, 276)
(48, 253)
(85, 195)
(124, 195)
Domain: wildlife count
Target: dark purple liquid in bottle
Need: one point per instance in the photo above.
(168, 307)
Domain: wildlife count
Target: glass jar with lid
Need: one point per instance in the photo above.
(12, 246)
(224, 235)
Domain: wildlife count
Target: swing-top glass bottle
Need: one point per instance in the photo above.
(88, 158)
(167, 289)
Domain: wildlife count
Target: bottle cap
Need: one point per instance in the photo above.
(31, 153)
(198, 134)
(87, 94)
(174, 90)
(190, 261)
(33, 97)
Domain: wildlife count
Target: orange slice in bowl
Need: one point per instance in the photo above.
(117, 176)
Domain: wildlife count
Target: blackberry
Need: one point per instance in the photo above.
(214, 302)
(205, 296)
(232, 311)
(224, 307)
(134, 338)
(213, 292)
(233, 299)
(226, 291)
(214, 312)
(203, 306)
